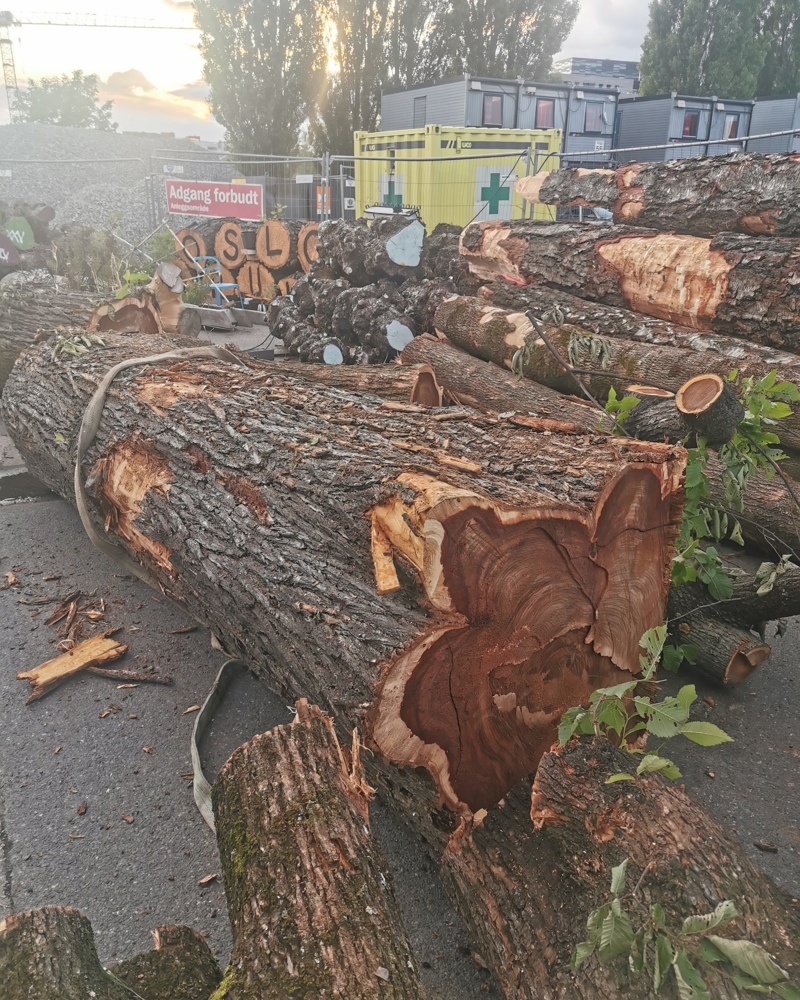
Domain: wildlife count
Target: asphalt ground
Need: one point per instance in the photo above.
(124, 752)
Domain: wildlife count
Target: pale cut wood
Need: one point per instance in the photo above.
(229, 246)
(307, 240)
(734, 284)
(256, 282)
(93, 652)
(277, 244)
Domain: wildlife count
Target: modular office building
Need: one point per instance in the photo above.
(684, 125)
(776, 114)
(585, 115)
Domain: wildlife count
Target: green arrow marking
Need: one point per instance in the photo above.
(494, 194)
(396, 200)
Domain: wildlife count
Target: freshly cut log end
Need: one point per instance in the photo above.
(189, 245)
(311, 911)
(307, 240)
(723, 654)
(710, 408)
(543, 614)
(256, 282)
(229, 247)
(133, 314)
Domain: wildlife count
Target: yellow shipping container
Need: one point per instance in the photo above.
(456, 175)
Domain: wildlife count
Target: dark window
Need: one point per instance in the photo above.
(731, 130)
(420, 111)
(545, 113)
(594, 117)
(493, 109)
(691, 122)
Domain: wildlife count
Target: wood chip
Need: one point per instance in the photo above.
(81, 810)
(206, 879)
(128, 819)
(147, 749)
(57, 750)
(184, 631)
(93, 652)
(76, 836)
(121, 686)
(54, 576)
(133, 716)
(765, 845)
(382, 973)
(190, 709)
(12, 580)
(107, 712)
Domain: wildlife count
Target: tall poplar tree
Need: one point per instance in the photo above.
(780, 24)
(703, 47)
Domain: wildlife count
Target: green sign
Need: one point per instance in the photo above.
(19, 232)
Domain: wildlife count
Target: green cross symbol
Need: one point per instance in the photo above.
(494, 194)
(392, 199)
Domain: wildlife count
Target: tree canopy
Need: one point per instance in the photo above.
(274, 64)
(729, 48)
(64, 100)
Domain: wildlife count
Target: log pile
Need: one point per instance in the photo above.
(449, 552)
(265, 259)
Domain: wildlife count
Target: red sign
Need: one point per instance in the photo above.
(214, 200)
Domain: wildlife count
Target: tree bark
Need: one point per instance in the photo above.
(734, 284)
(701, 196)
(471, 382)
(723, 654)
(406, 384)
(50, 954)
(714, 353)
(357, 251)
(414, 543)
(311, 910)
(27, 309)
(181, 966)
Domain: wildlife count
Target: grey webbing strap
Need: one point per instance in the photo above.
(88, 429)
(202, 788)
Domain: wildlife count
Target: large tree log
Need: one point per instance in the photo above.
(702, 196)
(27, 309)
(560, 545)
(734, 284)
(471, 382)
(358, 252)
(311, 911)
(409, 384)
(49, 954)
(277, 245)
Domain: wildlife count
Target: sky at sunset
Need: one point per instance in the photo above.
(154, 77)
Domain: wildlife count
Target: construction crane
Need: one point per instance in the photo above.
(8, 21)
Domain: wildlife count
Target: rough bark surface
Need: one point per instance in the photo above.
(27, 309)
(311, 908)
(497, 574)
(718, 354)
(50, 954)
(734, 284)
(746, 608)
(723, 654)
(406, 384)
(472, 382)
(356, 251)
(181, 966)
(702, 196)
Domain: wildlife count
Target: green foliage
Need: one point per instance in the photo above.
(64, 100)
(74, 345)
(131, 280)
(780, 25)
(195, 293)
(620, 715)
(625, 926)
(703, 47)
(753, 447)
(88, 258)
(620, 408)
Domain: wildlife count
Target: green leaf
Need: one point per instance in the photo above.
(653, 762)
(750, 984)
(569, 723)
(698, 923)
(687, 696)
(663, 961)
(663, 717)
(620, 776)
(617, 691)
(611, 714)
(638, 954)
(691, 985)
(594, 922)
(618, 877)
(788, 991)
(672, 658)
(750, 958)
(658, 916)
(705, 733)
(582, 951)
(708, 952)
(616, 933)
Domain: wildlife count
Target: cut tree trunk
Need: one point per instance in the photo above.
(413, 542)
(406, 384)
(360, 253)
(256, 282)
(229, 245)
(723, 654)
(702, 196)
(311, 910)
(27, 309)
(471, 382)
(733, 284)
(277, 245)
(150, 311)
(710, 408)
(181, 966)
(307, 239)
(714, 353)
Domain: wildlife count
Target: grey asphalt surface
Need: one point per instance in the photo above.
(130, 877)
(58, 753)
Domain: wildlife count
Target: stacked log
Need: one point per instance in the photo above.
(364, 299)
(264, 259)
